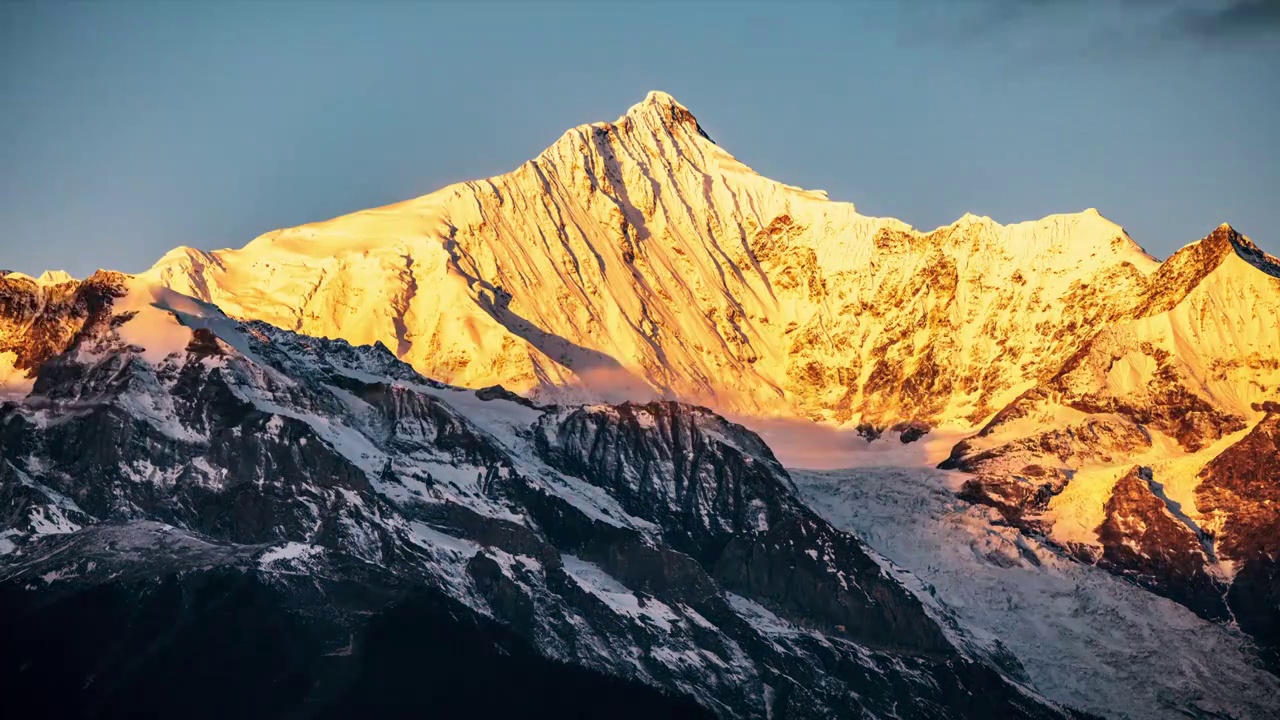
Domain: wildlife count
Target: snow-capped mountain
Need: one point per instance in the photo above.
(1103, 412)
(637, 259)
(194, 506)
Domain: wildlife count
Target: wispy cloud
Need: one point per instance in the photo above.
(1205, 20)
(1231, 18)
(1034, 34)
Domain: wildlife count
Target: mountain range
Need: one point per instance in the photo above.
(494, 416)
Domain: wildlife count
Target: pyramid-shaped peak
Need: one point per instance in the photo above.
(1224, 233)
(55, 277)
(1188, 267)
(1227, 237)
(1225, 240)
(1209, 251)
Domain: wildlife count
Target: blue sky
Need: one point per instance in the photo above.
(130, 128)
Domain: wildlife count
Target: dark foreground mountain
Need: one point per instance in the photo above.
(206, 518)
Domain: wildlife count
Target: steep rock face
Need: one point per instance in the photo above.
(184, 479)
(637, 258)
(1185, 269)
(733, 509)
(1020, 476)
(1239, 493)
(39, 317)
(1146, 539)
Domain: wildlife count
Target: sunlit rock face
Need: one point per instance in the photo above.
(1239, 494)
(40, 317)
(1148, 451)
(1148, 539)
(637, 260)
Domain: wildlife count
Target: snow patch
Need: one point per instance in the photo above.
(289, 551)
(426, 536)
(14, 383)
(618, 597)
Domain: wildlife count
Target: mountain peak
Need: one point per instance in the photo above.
(657, 117)
(1249, 252)
(656, 101)
(661, 109)
(658, 97)
(1189, 266)
(1225, 241)
(1222, 235)
(1213, 248)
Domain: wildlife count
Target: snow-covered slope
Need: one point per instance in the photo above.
(176, 481)
(1085, 638)
(638, 259)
